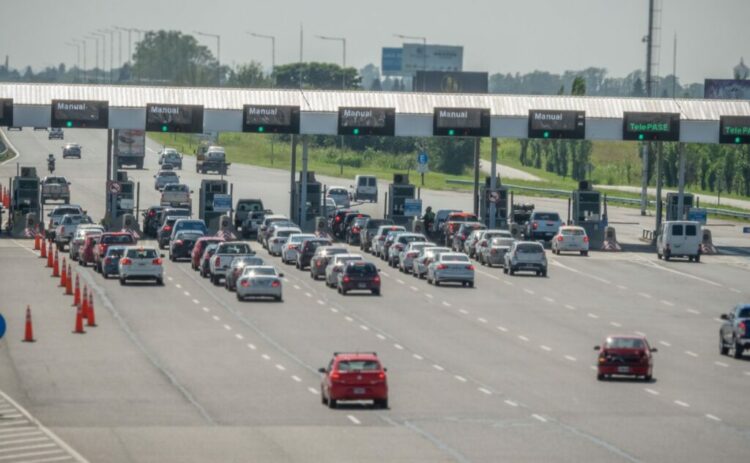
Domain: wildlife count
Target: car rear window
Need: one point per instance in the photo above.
(142, 253)
(454, 258)
(235, 248)
(115, 252)
(358, 365)
(529, 249)
(284, 233)
(744, 313)
(192, 226)
(572, 232)
(625, 343)
(168, 173)
(248, 261)
(313, 245)
(189, 236)
(502, 241)
(262, 271)
(66, 210)
(691, 230)
(551, 216)
(677, 230)
(118, 239)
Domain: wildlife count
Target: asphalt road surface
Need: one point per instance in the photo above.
(501, 372)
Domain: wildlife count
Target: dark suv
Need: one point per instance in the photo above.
(353, 226)
(337, 222)
(463, 232)
(151, 220)
(359, 275)
(307, 250)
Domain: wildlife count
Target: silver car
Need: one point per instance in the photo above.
(279, 238)
(340, 195)
(336, 265)
(411, 251)
(82, 231)
(165, 177)
(484, 240)
(494, 253)
(219, 263)
(141, 263)
(451, 267)
(67, 228)
(425, 258)
(292, 246)
(260, 281)
(526, 256)
(378, 239)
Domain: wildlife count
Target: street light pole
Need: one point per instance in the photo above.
(96, 53)
(111, 50)
(104, 54)
(78, 58)
(424, 54)
(343, 69)
(218, 52)
(273, 51)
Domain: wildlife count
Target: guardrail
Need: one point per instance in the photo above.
(613, 199)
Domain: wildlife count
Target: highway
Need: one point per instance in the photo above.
(501, 372)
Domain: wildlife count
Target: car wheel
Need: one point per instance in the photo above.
(331, 403)
(647, 378)
(544, 273)
(105, 275)
(215, 280)
(666, 255)
(723, 349)
(239, 298)
(737, 350)
(471, 284)
(376, 292)
(122, 281)
(511, 271)
(584, 253)
(436, 282)
(323, 399)
(698, 258)
(160, 281)
(380, 403)
(658, 256)
(600, 377)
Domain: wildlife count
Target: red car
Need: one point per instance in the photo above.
(86, 251)
(199, 247)
(107, 239)
(625, 355)
(354, 376)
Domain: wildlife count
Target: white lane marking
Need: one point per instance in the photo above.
(364, 327)
(681, 403)
(385, 274)
(747, 373)
(690, 353)
(401, 282)
(20, 429)
(528, 291)
(170, 279)
(464, 311)
(651, 391)
(348, 318)
(622, 287)
(570, 357)
(539, 417)
(640, 333)
(693, 311)
(280, 367)
(178, 286)
(546, 348)
(22, 441)
(216, 318)
(569, 307)
(460, 378)
(667, 303)
(312, 390)
(482, 320)
(308, 294)
(186, 293)
(26, 447)
(592, 315)
(502, 328)
(508, 283)
(286, 280)
(334, 310)
(227, 327)
(687, 275)
(297, 287)
(239, 336)
(646, 295)
(417, 356)
(485, 391)
(523, 338)
(398, 346)
(712, 417)
(380, 336)
(266, 357)
(438, 367)
(615, 324)
(297, 378)
(12, 423)
(734, 290)
(15, 433)
(549, 299)
(321, 302)
(37, 454)
(721, 364)
(665, 343)
(446, 303)
(414, 288)
(251, 346)
(353, 419)
(429, 296)
(511, 403)
(11, 415)
(206, 309)
(196, 301)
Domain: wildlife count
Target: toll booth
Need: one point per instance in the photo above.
(587, 212)
(214, 202)
(122, 199)
(499, 196)
(314, 200)
(672, 209)
(26, 189)
(398, 192)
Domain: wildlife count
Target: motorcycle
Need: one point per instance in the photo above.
(51, 166)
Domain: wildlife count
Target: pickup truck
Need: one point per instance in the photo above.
(243, 209)
(55, 189)
(67, 228)
(222, 258)
(57, 214)
(213, 159)
(542, 226)
(176, 195)
(735, 331)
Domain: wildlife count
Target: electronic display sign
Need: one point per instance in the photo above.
(734, 129)
(651, 126)
(555, 124)
(82, 114)
(270, 119)
(461, 122)
(174, 118)
(6, 112)
(367, 121)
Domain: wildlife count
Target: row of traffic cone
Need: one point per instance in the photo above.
(5, 197)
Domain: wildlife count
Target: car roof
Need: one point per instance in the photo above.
(355, 356)
(448, 254)
(626, 336)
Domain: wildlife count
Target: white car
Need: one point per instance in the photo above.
(291, 247)
(279, 238)
(340, 195)
(83, 231)
(141, 263)
(260, 281)
(335, 266)
(570, 238)
(378, 238)
(680, 238)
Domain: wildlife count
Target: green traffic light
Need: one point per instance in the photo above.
(261, 129)
(69, 124)
(737, 140)
(355, 131)
(640, 136)
(164, 128)
(451, 132)
(546, 134)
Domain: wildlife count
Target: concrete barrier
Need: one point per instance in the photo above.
(130, 225)
(648, 236)
(226, 229)
(25, 226)
(610, 240)
(417, 226)
(707, 243)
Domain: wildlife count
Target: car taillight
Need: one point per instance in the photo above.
(217, 261)
(469, 267)
(338, 218)
(178, 242)
(376, 279)
(319, 263)
(347, 279)
(355, 229)
(126, 261)
(335, 375)
(381, 238)
(742, 328)
(276, 284)
(585, 239)
(484, 244)
(167, 228)
(559, 238)
(107, 260)
(151, 213)
(245, 283)
(534, 225)
(442, 267)
(381, 375)
(156, 261)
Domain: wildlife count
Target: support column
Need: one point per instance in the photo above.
(644, 180)
(293, 169)
(476, 176)
(110, 176)
(658, 186)
(303, 193)
(493, 183)
(681, 180)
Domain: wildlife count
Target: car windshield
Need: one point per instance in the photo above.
(168, 173)
(142, 253)
(550, 216)
(234, 248)
(65, 210)
(265, 271)
(529, 249)
(337, 191)
(299, 238)
(117, 239)
(454, 258)
(176, 187)
(358, 365)
(410, 238)
(625, 343)
(744, 313)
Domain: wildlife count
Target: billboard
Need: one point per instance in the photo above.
(450, 82)
(726, 89)
(390, 64)
(434, 58)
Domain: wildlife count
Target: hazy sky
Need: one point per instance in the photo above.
(497, 35)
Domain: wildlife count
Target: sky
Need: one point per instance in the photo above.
(497, 35)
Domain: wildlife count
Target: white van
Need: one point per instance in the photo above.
(365, 188)
(680, 238)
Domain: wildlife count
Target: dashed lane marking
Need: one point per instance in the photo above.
(206, 309)
(502, 328)
(665, 344)
(691, 353)
(460, 378)
(417, 356)
(353, 419)
(414, 288)
(592, 315)
(646, 295)
(615, 324)
(693, 311)
(280, 367)
(546, 348)
(380, 336)
(510, 403)
(734, 290)
(348, 318)
(640, 333)
(399, 281)
(528, 291)
(429, 296)
(239, 336)
(438, 367)
(446, 303)
(312, 390)
(321, 302)
(170, 279)
(651, 391)
(569, 307)
(622, 287)
(334, 310)
(227, 327)
(482, 320)
(178, 286)
(216, 318)
(196, 301)
(464, 311)
(523, 338)
(485, 391)
(398, 346)
(186, 293)
(266, 357)
(385, 274)
(297, 287)
(364, 327)
(712, 417)
(251, 346)
(681, 403)
(721, 364)
(570, 357)
(297, 378)
(308, 294)
(539, 417)
(549, 299)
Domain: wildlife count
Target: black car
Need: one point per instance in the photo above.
(307, 250)
(353, 223)
(321, 257)
(368, 230)
(165, 231)
(337, 222)
(151, 222)
(463, 232)
(181, 246)
(359, 275)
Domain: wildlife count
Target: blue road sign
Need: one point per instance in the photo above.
(698, 215)
(412, 207)
(222, 203)
(422, 157)
(2, 326)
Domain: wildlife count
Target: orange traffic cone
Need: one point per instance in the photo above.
(56, 266)
(43, 249)
(49, 256)
(29, 332)
(37, 240)
(77, 295)
(90, 315)
(63, 275)
(69, 283)
(79, 322)
(85, 302)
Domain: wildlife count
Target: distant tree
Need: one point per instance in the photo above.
(325, 76)
(562, 90)
(450, 155)
(249, 75)
(376, 86)
(174, 58)
(579, 86)
(638, 89)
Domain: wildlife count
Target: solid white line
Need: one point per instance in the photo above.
(417, 356)
(460, 378)
(647, 296)
(569, 307)
(266, 357)
(539, 417)
(545, 348)
(486, 391)
(446, 303)
(712, 417)
(23, 441)
(398, 346)
(615, 324)
(502, 328)
(380, 336)
(297, 378)
(681, 403)
(348, 318)
(591, 315)
(280, 367)
(239, 336)
(692, 354)
(196, 301)
(511, 403)
(28, 447)
(528, 291)
(364, 327)
(523, 338)
(353, 419)
(251, 346)
(227, 327)
(438, 367)
(186, 293)
(312, 390)
(651, 391)
(665, 344)
(482, 320)
(722, 364)
(570, 357)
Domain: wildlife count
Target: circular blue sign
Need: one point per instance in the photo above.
(422, 158)
(2, 326)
